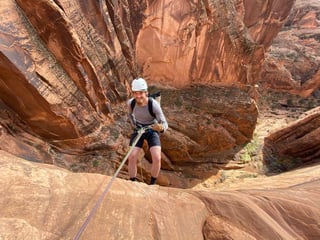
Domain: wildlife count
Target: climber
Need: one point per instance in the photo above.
(145, 112)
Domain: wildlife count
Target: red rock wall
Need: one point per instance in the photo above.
(214, 42)
(66, 68)
(293, 65)
(295, 144)
(76, 58)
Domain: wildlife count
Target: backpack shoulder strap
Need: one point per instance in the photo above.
(150, 100)
(132, 104)
(150, 108)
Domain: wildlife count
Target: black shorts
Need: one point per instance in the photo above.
(151, 136)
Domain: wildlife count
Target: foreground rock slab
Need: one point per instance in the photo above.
(42, 201)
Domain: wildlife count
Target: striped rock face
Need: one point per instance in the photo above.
(66, 69)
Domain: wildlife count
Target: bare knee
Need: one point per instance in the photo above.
(156, 160)
(133, 157)
(156, 153)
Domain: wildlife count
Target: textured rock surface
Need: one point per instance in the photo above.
(194, 147)
(65, 70)
(300, 141)
(43, 202)
(70, 66)
(210, 42)
(66, 67)
(293, 64)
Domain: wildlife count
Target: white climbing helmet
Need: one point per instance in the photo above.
(139, 84)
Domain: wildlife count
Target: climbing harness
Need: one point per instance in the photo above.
(140, 131)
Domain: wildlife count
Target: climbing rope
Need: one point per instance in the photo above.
(96, 206)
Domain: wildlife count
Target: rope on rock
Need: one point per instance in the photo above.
(96, 206)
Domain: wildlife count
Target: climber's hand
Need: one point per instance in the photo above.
(157, 127)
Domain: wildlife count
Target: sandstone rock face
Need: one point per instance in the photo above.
(65, 72)
(63, 66)
(293, 64)
(54, 85)
(195, 146)
(299, 142)
(265, 19)
(41, 201)
(66, 68)
(209, 42)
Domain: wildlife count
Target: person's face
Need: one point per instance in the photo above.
(141, 97)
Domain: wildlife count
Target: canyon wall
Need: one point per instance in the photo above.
(295, 144)
(66, 69)
(293, 63)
